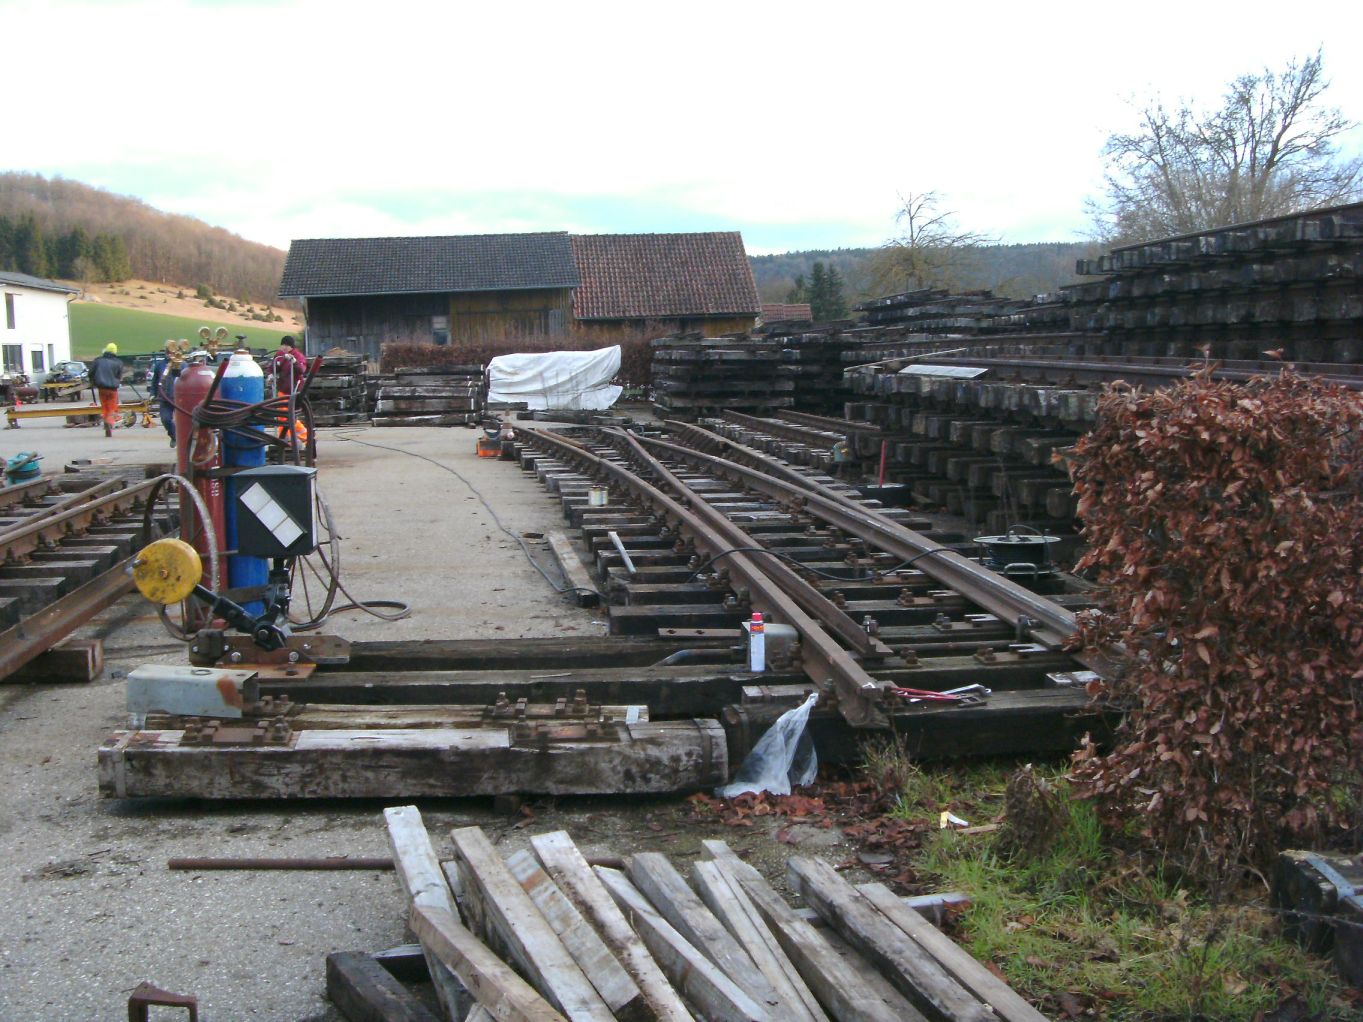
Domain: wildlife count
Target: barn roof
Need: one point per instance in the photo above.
(38, 283)
(470, 262)
(663, 276)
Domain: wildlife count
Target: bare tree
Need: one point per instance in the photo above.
(929, 251)
(1267, 151)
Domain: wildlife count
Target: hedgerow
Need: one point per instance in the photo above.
(1227, 522)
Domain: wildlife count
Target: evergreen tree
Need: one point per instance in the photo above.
(73, 247)
(799, 292)
(835, 304)
(7, 259)
(818, 289)
(30, 252)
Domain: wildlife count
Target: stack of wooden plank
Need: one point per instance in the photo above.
(337, 393)
(695, 376)
(544, 934)
(451, 395)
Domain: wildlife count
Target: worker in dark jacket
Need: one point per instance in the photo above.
(106, 373)
(290, 367)
(165, 370)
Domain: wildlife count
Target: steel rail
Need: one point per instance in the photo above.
(810, 599)
(859, 695)
(843, 427)
(43, 486)
(807, 435)
(763, 462)
(49, 530)
(1046, 623)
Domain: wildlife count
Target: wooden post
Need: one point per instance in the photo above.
(565, 864)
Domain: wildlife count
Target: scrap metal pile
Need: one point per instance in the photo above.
(546, 934)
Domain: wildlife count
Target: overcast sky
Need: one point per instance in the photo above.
(798, 124)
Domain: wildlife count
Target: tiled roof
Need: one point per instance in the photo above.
(663, 276)
(41, 283)
(776, 312)
(472, 262)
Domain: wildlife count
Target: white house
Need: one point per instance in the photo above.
(35, 332)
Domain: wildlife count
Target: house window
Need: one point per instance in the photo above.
(52, 355)
(9, 311)
(13, 357)
(37, 356)
(440, 329)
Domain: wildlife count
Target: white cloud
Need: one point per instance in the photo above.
(295, 119)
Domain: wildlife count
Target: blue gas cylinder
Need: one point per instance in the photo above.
(242, 381)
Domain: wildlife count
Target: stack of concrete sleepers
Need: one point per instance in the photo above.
(695, 376)
(431, 396)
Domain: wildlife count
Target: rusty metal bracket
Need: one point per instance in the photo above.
(146, 996)
(213, 733)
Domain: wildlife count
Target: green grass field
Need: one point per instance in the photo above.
(141, 333)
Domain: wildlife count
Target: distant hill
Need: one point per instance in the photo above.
(1012, 270)
(162, 247)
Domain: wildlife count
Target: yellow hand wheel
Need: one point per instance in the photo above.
(167, 571)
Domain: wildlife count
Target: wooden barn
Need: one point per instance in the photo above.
(358, 293)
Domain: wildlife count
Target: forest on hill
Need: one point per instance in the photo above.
(1016, 271)
(52, 227)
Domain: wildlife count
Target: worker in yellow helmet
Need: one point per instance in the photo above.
(106, 373)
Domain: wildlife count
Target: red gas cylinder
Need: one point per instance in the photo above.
(197, 451)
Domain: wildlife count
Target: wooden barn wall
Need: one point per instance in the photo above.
(364, 323)
(508, 315)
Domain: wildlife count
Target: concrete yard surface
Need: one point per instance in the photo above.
(91, 910)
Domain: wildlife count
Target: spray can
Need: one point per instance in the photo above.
(757, 644)
(242, 381)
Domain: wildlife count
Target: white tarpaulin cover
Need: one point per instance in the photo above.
(557, 379)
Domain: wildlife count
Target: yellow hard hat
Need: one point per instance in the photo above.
(111, 348)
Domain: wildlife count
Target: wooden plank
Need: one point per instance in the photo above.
(914, 972)
(573, 569)
(363, 991)
(731, 905)
(407, 763)
(958, 962)
(423, 886)
(655, 876)
(574, 877)
(598, 964)
(846, 985)
(505, 995)
(510, 911)
(715, 995)
(75, 660)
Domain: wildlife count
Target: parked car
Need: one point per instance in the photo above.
(68, 372)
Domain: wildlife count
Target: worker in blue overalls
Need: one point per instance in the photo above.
(165, 369)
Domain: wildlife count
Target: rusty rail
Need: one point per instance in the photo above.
(860, 696)
(808, 435)
(47, 530)
(1031, 614)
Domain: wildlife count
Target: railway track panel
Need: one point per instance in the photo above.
(928, 635)
(65, 542)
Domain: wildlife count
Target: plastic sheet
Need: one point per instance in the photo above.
(567, 380)
(782, 759)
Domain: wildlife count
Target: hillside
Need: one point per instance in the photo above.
(1014, 270)
(138, 332)
(162, 247)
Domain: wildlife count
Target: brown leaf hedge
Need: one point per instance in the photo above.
(1226, 520)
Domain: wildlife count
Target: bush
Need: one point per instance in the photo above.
(1227, 521)
(203, 291)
